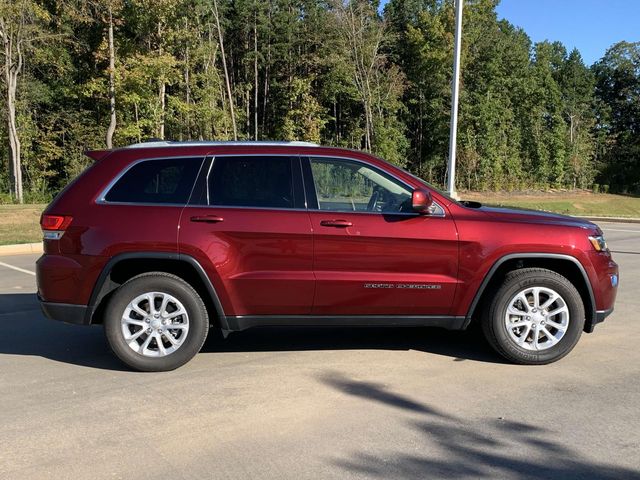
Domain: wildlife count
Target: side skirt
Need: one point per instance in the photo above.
(242, 322)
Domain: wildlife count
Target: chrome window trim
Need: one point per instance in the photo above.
(101, 197)
(206, 179)
(142, 204)
(221, 143)
(237, 207)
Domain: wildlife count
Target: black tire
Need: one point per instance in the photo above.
(495, 329)
(156, 282)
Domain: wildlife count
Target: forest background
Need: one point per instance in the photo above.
(94, 74)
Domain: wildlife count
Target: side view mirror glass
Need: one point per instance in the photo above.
(421, 201)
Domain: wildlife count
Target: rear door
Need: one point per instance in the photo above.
(372, 254)
(247, 224)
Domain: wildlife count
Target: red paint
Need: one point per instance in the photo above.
(297, 262)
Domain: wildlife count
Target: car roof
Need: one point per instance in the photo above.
(172, 148)
(222, 143)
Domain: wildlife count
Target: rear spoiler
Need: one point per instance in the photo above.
(97, 154)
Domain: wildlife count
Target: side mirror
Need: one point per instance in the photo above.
(421, 201)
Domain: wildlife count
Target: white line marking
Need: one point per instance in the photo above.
(18, 269)
(619, 230)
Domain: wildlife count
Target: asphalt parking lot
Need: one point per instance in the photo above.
(319, 403)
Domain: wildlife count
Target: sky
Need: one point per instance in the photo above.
(591, 26)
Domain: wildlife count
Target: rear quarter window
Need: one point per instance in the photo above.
(156, 181)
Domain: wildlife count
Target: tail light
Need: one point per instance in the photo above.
(53, 226)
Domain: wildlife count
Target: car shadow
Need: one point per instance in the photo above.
(25, 331)
(460, 346)
(482, 448)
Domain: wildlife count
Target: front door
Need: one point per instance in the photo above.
(372, 254)
(248, 224)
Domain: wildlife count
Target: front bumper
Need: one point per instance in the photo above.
(600, 316)
(605, 279)
(66, 312)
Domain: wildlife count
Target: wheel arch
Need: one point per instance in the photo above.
(565, 265)
(122, 267)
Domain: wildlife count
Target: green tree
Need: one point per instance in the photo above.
(23, 26)
(618, 122)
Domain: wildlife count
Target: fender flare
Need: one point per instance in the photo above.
(103, 285)
(590, 313)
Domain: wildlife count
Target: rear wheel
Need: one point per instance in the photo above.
(536, 317)
(156, 322)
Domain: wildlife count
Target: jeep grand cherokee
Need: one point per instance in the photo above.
(161, 241)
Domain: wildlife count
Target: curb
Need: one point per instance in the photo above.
(21, 248)
(612, 219)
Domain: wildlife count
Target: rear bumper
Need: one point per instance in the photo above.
(66, 312)
(67, 279)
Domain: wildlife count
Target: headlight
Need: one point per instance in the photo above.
(599, 243)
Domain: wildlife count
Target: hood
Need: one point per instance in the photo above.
(524, 215)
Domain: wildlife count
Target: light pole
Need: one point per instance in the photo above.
(451, 180)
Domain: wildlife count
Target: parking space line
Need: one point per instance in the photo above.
(18, 269)
(619, 230)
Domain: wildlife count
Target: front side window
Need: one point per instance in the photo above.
(344, 185)
(251, 181)
(160, 181)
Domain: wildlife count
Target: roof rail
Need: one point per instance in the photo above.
(168, 143)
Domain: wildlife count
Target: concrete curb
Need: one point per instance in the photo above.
(21, 248)
(612, 219)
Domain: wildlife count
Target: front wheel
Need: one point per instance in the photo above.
(536, 317)
(156, 322)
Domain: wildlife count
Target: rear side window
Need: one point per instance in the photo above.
(253, 181)
(157, 181)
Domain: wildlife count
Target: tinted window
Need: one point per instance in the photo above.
(343, 185)
(251, 182)
(157, 181)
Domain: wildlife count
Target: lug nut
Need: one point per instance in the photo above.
(149, 330)
(542, 323)
(147, 320)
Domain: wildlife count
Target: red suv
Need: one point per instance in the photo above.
(159, 241)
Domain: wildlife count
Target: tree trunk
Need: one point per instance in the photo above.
(255, 76)
(247, 104)
(112, 86)
(265, 94)
(162, 87)
(187, 80)
(226, 72)
(162, 98)
(14, 140)
(12, 69)
(135, 109)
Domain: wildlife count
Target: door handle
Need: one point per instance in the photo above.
(207, 219)
(336, 223)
